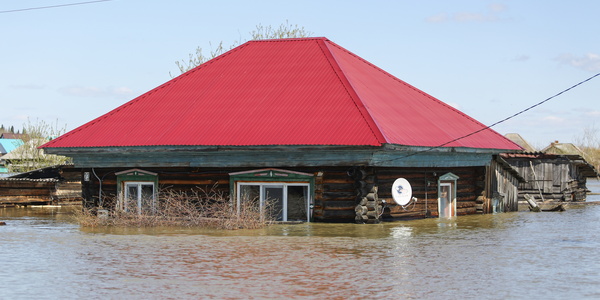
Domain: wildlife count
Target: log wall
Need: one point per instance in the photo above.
(424, 185)
(22, 191)
(336, 193)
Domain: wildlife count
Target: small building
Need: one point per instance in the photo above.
(15, 136)
(558, 173)
(58, 185)
(302, 122)
(6, 147)
(519, 140)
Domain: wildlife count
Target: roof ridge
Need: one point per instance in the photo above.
(307, 38)
(363, 110)
(460, 113)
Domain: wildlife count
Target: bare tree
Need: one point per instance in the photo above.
(27, 156)
(261, 32)
(589, 143)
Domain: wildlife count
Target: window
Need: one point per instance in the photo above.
(139, 196)
(286, 195)
(284, 201)
(137, 191)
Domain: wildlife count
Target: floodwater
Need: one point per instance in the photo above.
(524, 255)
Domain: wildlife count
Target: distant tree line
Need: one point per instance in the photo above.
(11, 129)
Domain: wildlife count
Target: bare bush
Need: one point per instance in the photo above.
(196, 208)
(285, 30)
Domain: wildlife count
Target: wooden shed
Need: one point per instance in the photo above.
(553, 177)
(52, 185)
(303, 122)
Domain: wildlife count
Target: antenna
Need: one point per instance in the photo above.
(401, 191)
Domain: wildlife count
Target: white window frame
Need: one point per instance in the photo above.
(139, 203)
(262, 195)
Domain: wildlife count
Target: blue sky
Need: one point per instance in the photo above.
(489, 59)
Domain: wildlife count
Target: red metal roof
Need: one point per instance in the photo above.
(307, 91)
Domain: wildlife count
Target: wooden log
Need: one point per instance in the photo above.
(372, 196)
(364, 201)
(372, 205)
(361, 218)
(361, 210)
(532, 204)
(372, 214)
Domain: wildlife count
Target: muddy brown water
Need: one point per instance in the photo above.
(523, 255)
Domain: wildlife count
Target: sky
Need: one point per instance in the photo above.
(69, 64)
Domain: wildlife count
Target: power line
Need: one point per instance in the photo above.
(51, 6)
(501, 121)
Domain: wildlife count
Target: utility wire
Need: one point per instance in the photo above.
(52, 6)
(501, 121)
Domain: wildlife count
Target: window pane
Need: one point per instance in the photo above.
(297, 203)
(132, 191)
(147, 197)
(249, 192)
(249, 198)
(274, 201)
(131, 196)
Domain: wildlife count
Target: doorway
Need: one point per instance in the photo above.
(446, 201)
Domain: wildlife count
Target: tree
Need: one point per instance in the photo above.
(589, 143)
(261, 32)
(27, 156)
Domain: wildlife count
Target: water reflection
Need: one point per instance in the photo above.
(481, 256)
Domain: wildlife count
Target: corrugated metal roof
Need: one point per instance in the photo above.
(10, 144)
(307, 91)
(519, 140)
(562, 148)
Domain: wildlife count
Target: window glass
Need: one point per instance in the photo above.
(297, 204)
(139, 196)
(147, 197)
(273, 197)
(283, 201)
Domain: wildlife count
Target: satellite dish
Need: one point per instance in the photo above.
(401, 191)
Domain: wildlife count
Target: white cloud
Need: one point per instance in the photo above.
(20, 117)
(553, 119)
(125, 91)
(588, 62)
(454, 104)
(440, 18)
(473, 17)
(498, 7)
(520, 58)
(92, 91)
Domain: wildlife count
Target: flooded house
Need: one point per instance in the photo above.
(304, 123)
(558, 172)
